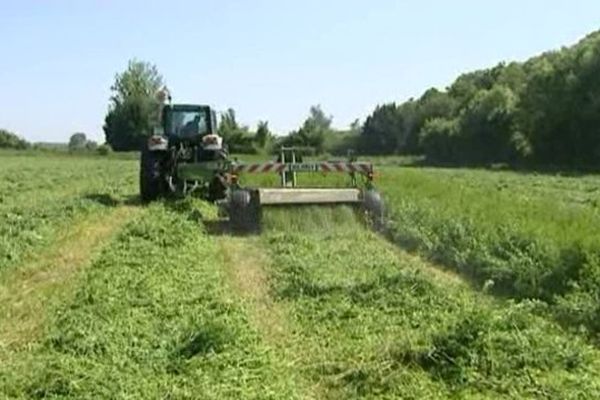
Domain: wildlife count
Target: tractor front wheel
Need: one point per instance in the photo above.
(152, 183)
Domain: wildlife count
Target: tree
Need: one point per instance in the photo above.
(77, 141)
(317, 120)
(341, 142)
(439, 139)
(140, 80)
(560, 105)
(313, 131)
(487, 126)
(91, 145)
(383, 131)
(104, 149)
(228, 126)
(134, 108)
(263, 134)
(238, 138)
(355, 127)
(9, 140)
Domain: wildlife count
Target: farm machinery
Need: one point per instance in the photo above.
(186, 155)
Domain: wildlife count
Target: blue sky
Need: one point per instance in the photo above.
(270, 60)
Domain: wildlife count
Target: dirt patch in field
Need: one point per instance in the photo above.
(29, 291)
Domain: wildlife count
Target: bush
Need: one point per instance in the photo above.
(9, 140)
(104, 149)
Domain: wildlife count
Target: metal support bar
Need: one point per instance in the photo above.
(274, 196)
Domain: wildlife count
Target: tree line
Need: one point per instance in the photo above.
(78, 143)
(545, 111)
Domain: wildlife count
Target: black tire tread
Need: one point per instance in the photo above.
(151, 180)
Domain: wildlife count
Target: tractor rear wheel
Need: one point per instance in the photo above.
(152, 183)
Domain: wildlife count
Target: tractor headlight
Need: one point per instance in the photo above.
(212, 142)
(158, 143)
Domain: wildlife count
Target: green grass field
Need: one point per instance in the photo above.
(528, 236)
(485, 286)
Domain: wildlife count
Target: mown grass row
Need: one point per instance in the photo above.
(154, 317)
(524, 236)
(41, 195)
(373, 322)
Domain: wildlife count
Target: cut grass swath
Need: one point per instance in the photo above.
(153, 317)
(371, 323)
(41, 195)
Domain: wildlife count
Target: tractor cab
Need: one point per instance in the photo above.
(192, 129)
(188, 123)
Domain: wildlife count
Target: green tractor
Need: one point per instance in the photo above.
(186, 155)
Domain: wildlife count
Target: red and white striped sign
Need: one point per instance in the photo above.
(327, 166)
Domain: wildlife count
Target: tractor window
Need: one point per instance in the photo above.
(188, 123)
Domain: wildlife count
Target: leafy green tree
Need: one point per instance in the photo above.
(77, 141)
(238, 138)
(546, 110)
(134, 108)
(91, 145)
(228, 125)
(263, 135)
(355, 127)
(9, 140)
(104, 149)
(313, 131)
(560, 106)
(487, 126)
(383, 131)
(439, 139)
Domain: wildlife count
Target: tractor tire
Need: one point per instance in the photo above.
(217, 188)
(244, 212)
(375, 209)
(152, 183)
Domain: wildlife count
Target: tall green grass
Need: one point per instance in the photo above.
(524, 236)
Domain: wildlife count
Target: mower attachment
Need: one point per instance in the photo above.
(244, 205)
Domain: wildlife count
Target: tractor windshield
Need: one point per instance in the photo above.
(188, 124)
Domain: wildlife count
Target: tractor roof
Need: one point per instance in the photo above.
(188, 107)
